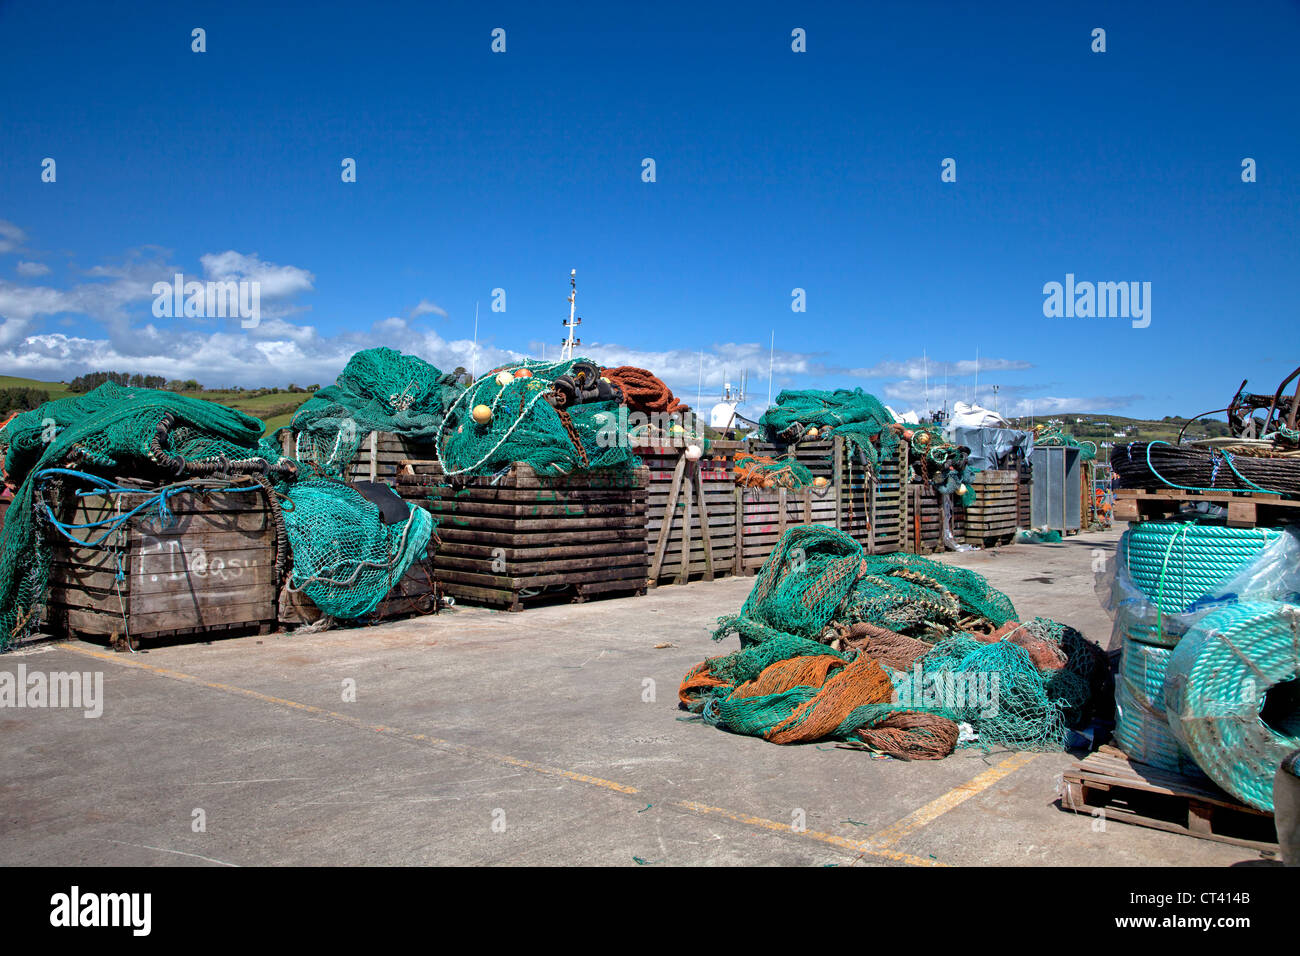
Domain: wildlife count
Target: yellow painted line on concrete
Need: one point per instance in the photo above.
(447, 745)
(877, 845)
(861, 847)
(941, 805)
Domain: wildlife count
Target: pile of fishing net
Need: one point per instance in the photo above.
(378, 390)
(896, 653)
(557, 417)
(172, 444)
(858, 416)
(1047, 435)
(760, 471)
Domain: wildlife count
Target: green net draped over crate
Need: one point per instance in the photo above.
(170, 442)
(114, 429)
(1232, 693)
(378, 390)
(895, 653)
(858, 416)
(344, 557)
(521, 425)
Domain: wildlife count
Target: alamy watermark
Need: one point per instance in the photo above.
(62, 689)
(952, 690)
(1102, 300)
(223, 299)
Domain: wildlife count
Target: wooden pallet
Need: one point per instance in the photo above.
(993, 518)
(1109, 783)
(212, 570)
(1245, 510)
(521, 537)
(690, 511)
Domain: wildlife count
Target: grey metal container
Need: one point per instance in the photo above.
(1057, 489)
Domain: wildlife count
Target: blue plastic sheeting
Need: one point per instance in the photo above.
(988, 446)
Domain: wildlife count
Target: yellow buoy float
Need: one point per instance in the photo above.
(482, 414)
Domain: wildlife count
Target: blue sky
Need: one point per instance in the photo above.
(775, 170)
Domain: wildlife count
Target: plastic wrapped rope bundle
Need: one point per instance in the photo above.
(1232, 694)
(1141, 725)
(1167, 574)
(378, 390)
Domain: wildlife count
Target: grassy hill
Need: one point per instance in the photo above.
(1101, 429)
(273, 408)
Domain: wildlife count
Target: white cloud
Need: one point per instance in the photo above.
(277, 282)
(32, 269)
(425, 307)
(919, 368)
(11, 237)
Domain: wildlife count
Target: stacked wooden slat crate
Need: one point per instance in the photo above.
(1024, 495)
(992, 519)
(925, 519)
(379, 456)
(869, 506)
(521, 536)
(211, 568)
(690, 510)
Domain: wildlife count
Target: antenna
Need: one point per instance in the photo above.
(474, 355)
(977, 375)
(926, 362)
(771, 361)
(566, 354)
(699, 386)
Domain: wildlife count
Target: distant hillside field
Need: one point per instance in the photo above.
(274, 409)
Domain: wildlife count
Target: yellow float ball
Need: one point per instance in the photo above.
(812, 433)
(482, 414)
(820, 482)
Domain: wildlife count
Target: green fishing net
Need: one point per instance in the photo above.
(378, 390)
(524, 427)
(165, 438)
(858, 416)
(344, 557)
(817, 575)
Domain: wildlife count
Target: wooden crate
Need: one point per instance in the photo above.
(765, 514)
(992, 519)
(1108, 784)
(520, 537)
(870, 507)
(212, 569)
(379, 456)
(925, 519)
(699, 500)
(416, 592)
(1245, 510)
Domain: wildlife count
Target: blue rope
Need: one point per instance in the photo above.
(1227, 457)
(106, 487)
